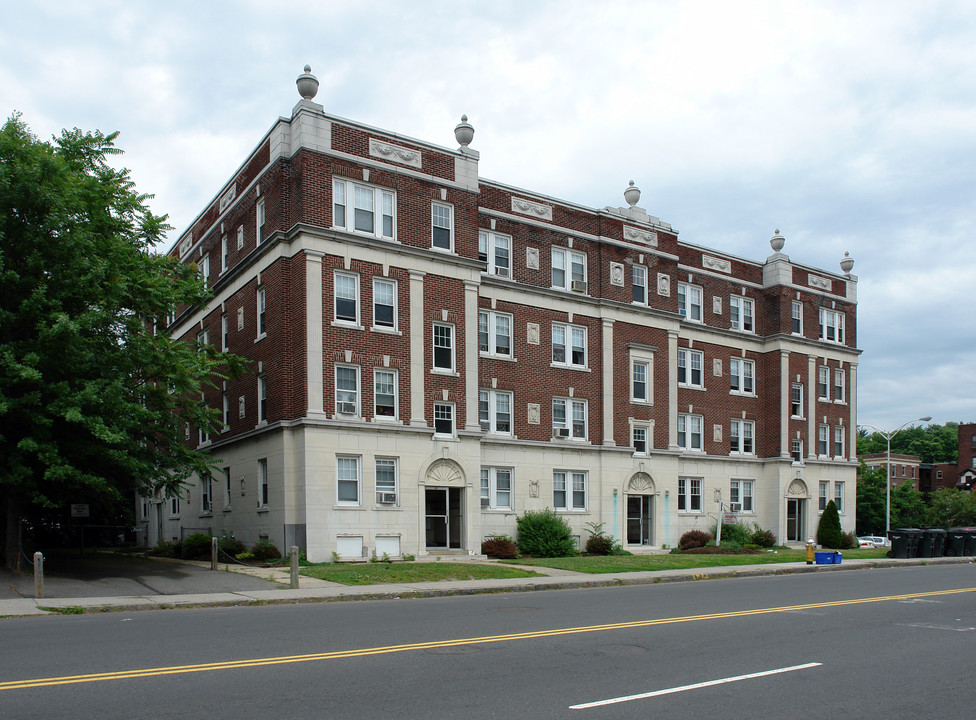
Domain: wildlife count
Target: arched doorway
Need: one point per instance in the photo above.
(444, 506)
(796, 511)
(640, 510)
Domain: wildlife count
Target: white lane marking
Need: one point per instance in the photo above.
(929, 626)
(915, 601)
(696, 686)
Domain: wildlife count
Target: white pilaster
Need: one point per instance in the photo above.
(471, 355)
(417, 338)
(608, 393)
(812, 406)
(852, 399)
(313, 332)
(673, 389)
(784, 406)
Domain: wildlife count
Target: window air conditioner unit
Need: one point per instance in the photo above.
(735, 507)
(579, 286)
(562, 432)
(347, 408)
(501, 271)
(484, 502)
(387, 498)
(485, 426)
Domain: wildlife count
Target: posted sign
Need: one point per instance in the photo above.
(79, 510)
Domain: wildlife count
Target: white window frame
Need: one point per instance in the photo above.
(494, 493)
(572, 416)
(262, 399)
(570, 489)
(204, 267)
(261, 313)
(569, 268)
(495, 249)
(823, 440)
(742, 376)
(637, 430)
(492, 413)
(224, 332)
(839, 386)
(822, 494)
(174, 506)
(796, 450)
(742, 313)
(394, 381)
(379, 282)
(686, 366)
(638, 279)
(349, 473)
(796, 400)
(259, 221)
(796, 317)
(445, 411)
(344, 395)
(831, 326)
(690, 302)
(206, 495)
(438, 336)
(381, 212)
(688, 427)
(341, 292)
(743, 493)
(640, 381)
(227, 493)
(823, 383)
(386, 463)
(224, 253)
(225, 399)
(492, 328)
(571, 341)
(264, 494)
(442, 218)
(690, 494)
(839, 496)
(839, 437)
(742, 437)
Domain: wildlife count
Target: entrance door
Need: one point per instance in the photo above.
(794, 520)
(638, 519)
(444, 517)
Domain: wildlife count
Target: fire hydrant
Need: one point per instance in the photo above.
(810, 551)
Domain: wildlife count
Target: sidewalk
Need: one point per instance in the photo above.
(313, 590)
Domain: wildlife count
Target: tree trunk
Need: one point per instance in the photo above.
(12, 539)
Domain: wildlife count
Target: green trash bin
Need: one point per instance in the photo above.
(970, 548)
(924, 543)
(902, 542)
(938, 541)
(955, 543)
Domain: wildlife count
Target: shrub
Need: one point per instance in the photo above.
(196, 546)
(165, 548)
(849, 540)
(265, 550)
(244, 556)
(230, 545)
(694, 539)
(544, 534)
(762, 538)
(828, 532)
(735, 533)
(501, 546)
(599, 543)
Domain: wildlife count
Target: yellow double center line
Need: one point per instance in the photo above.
(388, 649)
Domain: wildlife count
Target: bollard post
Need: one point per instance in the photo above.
(213, 553)
(38, 575)
(294, 567)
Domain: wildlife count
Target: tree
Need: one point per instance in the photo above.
(907, 506)
(871, 501)
(951, 507)
(93, 402)
(828, 532)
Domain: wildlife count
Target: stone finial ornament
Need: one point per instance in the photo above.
(847, 263)
(464, 132)
(632, 194)
(308, 84)
(777, 241)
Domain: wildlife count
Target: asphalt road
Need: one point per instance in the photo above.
(884, 643)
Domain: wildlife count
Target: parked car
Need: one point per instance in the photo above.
(873, 541)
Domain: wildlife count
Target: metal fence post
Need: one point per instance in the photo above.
(38, 575)
(294, 567)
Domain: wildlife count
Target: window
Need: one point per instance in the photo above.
(796, 450)
(831, 325)
(203, 339)
(262, 399)
(496, 250)
(690, 432)
(386, 480)
(496, 488)
(742, 492)
(569, 490)
(443, 347)
(384, 303)
(839, 441)
(640, 284)
(347, 480)
(569, 345)
(689, 494)
(226, 407)
(741, 374)
(839, 386)
(226, 488)
(444, 419)
(639, 439)
(640, 372)
(796, 400)
(206, 494)
(797, 313)
(347, 298)
(495, 333)
(262, 325)
(204, 266)
(495, 411)
(569, 418)
(741, 436)
(568, 270)
(260, 220)
(347, 389)
(839, 496)
(823, 383)
(690, 367)
(822, 448)
(742, 312)
(174, 506)
(224, 333)
(223, 253)
(263, 483)
(372, 210)
(824, 487)
(442, 226)
(385, 393)
(690, 301)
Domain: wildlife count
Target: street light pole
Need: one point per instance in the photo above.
(887, 437)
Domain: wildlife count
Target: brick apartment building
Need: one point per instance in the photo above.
(904, 468)
(433, 353)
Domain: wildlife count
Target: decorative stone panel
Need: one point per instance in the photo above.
(527, 207)
(639, 235)
(394, 153)
(718, 264)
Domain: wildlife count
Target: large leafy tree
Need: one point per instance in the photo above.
(93, 402)
(871, 501)
(932, 443)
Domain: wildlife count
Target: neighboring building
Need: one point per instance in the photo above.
(967, 455)
(904, 468)
(433, 354)
(934, 476)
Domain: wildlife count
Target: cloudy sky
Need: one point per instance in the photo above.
(850, 126)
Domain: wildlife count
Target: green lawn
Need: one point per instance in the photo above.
(410, 572)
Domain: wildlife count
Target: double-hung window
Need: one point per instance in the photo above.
(444, 419)
(689, 494)
(823, 383)
(824, 489)
(443, 347)
(262, 399)
(568, 269)
(204, 267)
(569, 418)
(640, 373)
(639, 439)
(495, 250)
(223, 253)
(796, 400)
(839, 496)
(442, 226)
(206, 494)
(495, 411)
(741, 493)
(797, 313)
(496, 488)
(347, 389)
(639, 276)
(742, 313)
(796, 449)
(839, 441)
(823, 447)
(495, 333)
(690, 302)
(741, 434)
(363, 208)
(224, 333)
(384, 303)
(347, 480)
(227, 501)
(386, 480)
(690, 432)
(690, 367)
(347, 298)
(259, 214)
(839, 385)
(569, 490)
(569, 345)
(385, 393)
(741, 374)
(831, 325)
(263, 493)
(262, 313)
